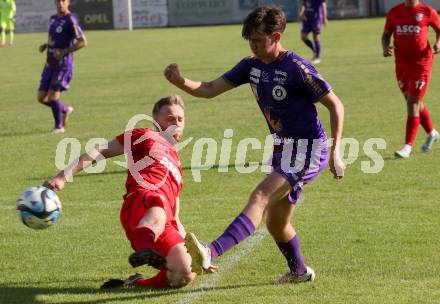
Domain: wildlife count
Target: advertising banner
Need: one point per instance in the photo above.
(33, 16)
(146, 13)
(93, 14)
(197, 12)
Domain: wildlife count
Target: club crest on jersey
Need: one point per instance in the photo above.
(279, 93)
(265, 76)
(59, 29)
(419, 17)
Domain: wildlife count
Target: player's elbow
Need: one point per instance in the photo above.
(207, 90)
(82, 42)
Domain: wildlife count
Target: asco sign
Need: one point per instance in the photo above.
(93, 14)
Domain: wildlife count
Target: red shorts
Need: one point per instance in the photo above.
(133, 210)
(413, 80)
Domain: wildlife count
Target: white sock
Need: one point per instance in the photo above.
(432, 133)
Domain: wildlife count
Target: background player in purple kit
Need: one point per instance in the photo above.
(286, 88)
(65, 37)
(313, 15)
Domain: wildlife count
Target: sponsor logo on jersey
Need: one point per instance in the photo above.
(282, 73)
(407, 29)
(279, 93)
(255, 72)
(279, 80)
(173, 169)
(254, 80)
(419, 17)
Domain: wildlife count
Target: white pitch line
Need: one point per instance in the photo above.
(228, 262)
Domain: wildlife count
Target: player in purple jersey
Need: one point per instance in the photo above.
(286, 88)
(313, 15)
(65, 37)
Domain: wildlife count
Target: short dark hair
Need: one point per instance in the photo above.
(168, 101)
(266, 19)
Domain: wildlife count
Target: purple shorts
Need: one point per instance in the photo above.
(55, 79)
(313, 26)
(300, 163)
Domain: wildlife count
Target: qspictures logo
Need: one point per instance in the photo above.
(228, 153)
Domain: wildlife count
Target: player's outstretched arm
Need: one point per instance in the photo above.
(336, 109)
(193, 87)
(113, 148)
(388, 50)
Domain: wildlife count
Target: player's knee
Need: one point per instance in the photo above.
(260, 198)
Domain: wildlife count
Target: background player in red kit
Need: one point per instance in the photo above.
(150, 212)
(408, 22)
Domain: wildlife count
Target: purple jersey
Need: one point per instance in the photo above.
(313, 10)
(286, 91)
(63, 30)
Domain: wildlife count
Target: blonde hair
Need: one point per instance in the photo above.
(168, 101)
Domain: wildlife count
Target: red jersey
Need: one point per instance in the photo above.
(409, 26)
(153, 163)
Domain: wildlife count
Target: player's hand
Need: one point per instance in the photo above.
(42, 47)
(172, 74)
(337, 166)
(211, 269)
(436, 48)
(55, 183)
(388, 51)
(59, 54)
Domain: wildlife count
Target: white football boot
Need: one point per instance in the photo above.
(404, 152)
(67, 114)
(316, 60)
(430, 139)
(290, 277)
(58, 130)
(200, 254)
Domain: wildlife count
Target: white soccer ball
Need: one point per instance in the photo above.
(38, 207)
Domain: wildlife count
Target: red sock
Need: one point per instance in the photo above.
(412, 125)
(158, 281)
(142, 238)
(425, 120)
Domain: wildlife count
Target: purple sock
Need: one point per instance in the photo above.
(292, 252)
(309, 43)
(237, 231)
(317, 48)
(57, 111)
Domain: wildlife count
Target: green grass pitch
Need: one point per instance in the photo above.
(371, 238)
